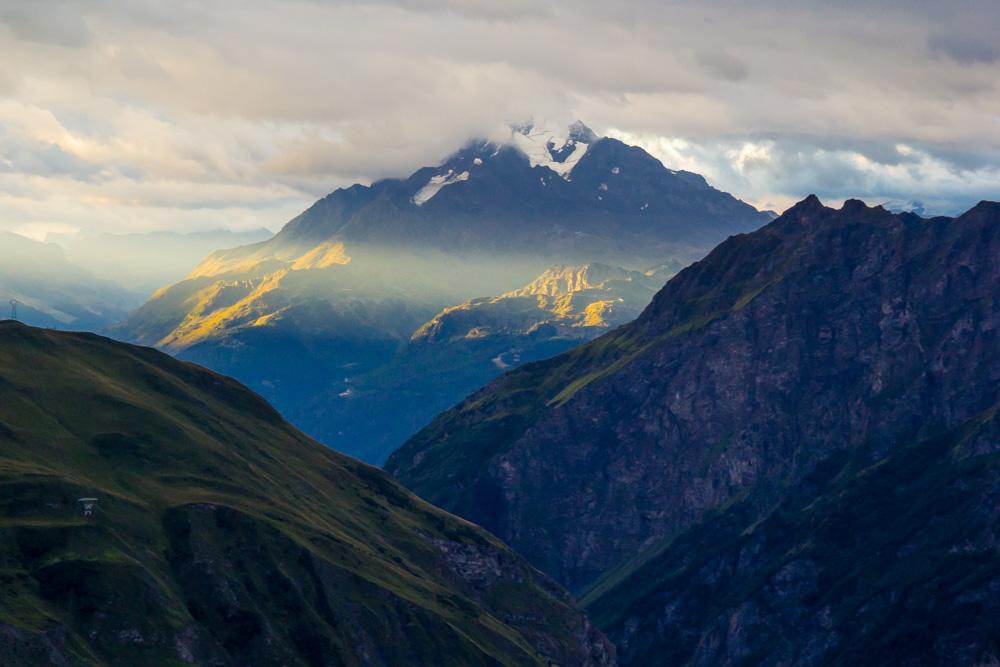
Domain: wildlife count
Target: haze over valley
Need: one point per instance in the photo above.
(341, 301)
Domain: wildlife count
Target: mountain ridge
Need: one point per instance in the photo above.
(650, 426)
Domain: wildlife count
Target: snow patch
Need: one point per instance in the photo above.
(426, 193)
(545, 148)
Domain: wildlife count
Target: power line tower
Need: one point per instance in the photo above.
(13, 309)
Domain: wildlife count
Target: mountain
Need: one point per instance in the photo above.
(465, 346)
(570, 196)
(339, 291)
(827, 337)
(144, 262)
(223, 536)
(52, 291)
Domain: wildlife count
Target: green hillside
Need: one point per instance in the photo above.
(224, 536)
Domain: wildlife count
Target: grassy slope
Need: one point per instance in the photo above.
(156, 440)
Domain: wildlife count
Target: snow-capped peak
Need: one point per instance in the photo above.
(558, 150)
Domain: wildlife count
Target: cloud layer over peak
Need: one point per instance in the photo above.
(137, 115)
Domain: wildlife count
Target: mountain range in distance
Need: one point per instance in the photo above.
(91, 283)
(328, 308)
(144, 262)
(850, 493)
(51, 291)
(799, 431)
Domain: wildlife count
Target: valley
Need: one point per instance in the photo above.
(332, 336)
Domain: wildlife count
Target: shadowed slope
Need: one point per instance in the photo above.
(893, 562)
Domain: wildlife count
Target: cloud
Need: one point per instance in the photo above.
(722, 65)
(773, 173)
(965, 47)
(138, 114)
(48, 22)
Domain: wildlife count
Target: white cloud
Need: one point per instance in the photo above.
(142, 114)
(774, 174)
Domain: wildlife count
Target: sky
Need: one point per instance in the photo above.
(135, 115)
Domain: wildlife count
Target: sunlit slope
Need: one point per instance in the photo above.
(225, 536)
(568, 299)
(299, 292)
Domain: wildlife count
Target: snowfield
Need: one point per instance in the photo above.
(434, 186)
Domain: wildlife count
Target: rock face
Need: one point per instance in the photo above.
(339, 291)
(825, 331)
(223, 536)
(867, 561)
